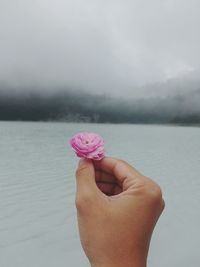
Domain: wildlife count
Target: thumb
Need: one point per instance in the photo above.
(85, 177)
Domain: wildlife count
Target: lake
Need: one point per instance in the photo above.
(38, 225)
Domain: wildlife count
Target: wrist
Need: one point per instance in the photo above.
(135, 260)
(123, 265)
(120, 264)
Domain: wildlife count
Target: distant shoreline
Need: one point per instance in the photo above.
(69, 106)
(186, 124)
(115, 123)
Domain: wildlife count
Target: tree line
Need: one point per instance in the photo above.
(85, 107)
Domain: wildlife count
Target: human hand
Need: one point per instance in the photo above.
(117, 209)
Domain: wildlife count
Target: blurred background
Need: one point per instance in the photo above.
(128, 70)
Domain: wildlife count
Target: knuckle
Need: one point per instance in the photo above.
(78, 203)
(162, 205)
(81, 170)
(119, 161)
(155, 193)
(83, 201)
(122, 161)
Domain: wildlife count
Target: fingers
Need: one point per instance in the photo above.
(88, 195)
(85, 178)
(109, 189)
(110, 165)
(107, 183)
(124, 173)
(110, 175)
(92, 183)
(104, 177)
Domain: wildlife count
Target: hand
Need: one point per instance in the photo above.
(117, 209)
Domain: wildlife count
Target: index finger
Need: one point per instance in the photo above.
(119, 168)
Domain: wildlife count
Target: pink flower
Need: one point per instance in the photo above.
(88, 145)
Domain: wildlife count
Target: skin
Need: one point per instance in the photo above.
(117, 210)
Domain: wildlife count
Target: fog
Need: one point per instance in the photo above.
(113, 47)
(84, 107)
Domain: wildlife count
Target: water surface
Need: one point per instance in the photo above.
(37, 215)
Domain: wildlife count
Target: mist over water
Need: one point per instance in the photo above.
(81, 106)
(37, 185)
(117, 61)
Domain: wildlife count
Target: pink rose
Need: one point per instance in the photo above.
(88, 145)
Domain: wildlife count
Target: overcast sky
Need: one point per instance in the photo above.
(97, 45)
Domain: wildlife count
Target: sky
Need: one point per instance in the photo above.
(103, 46)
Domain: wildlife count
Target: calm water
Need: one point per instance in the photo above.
(37, 214)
